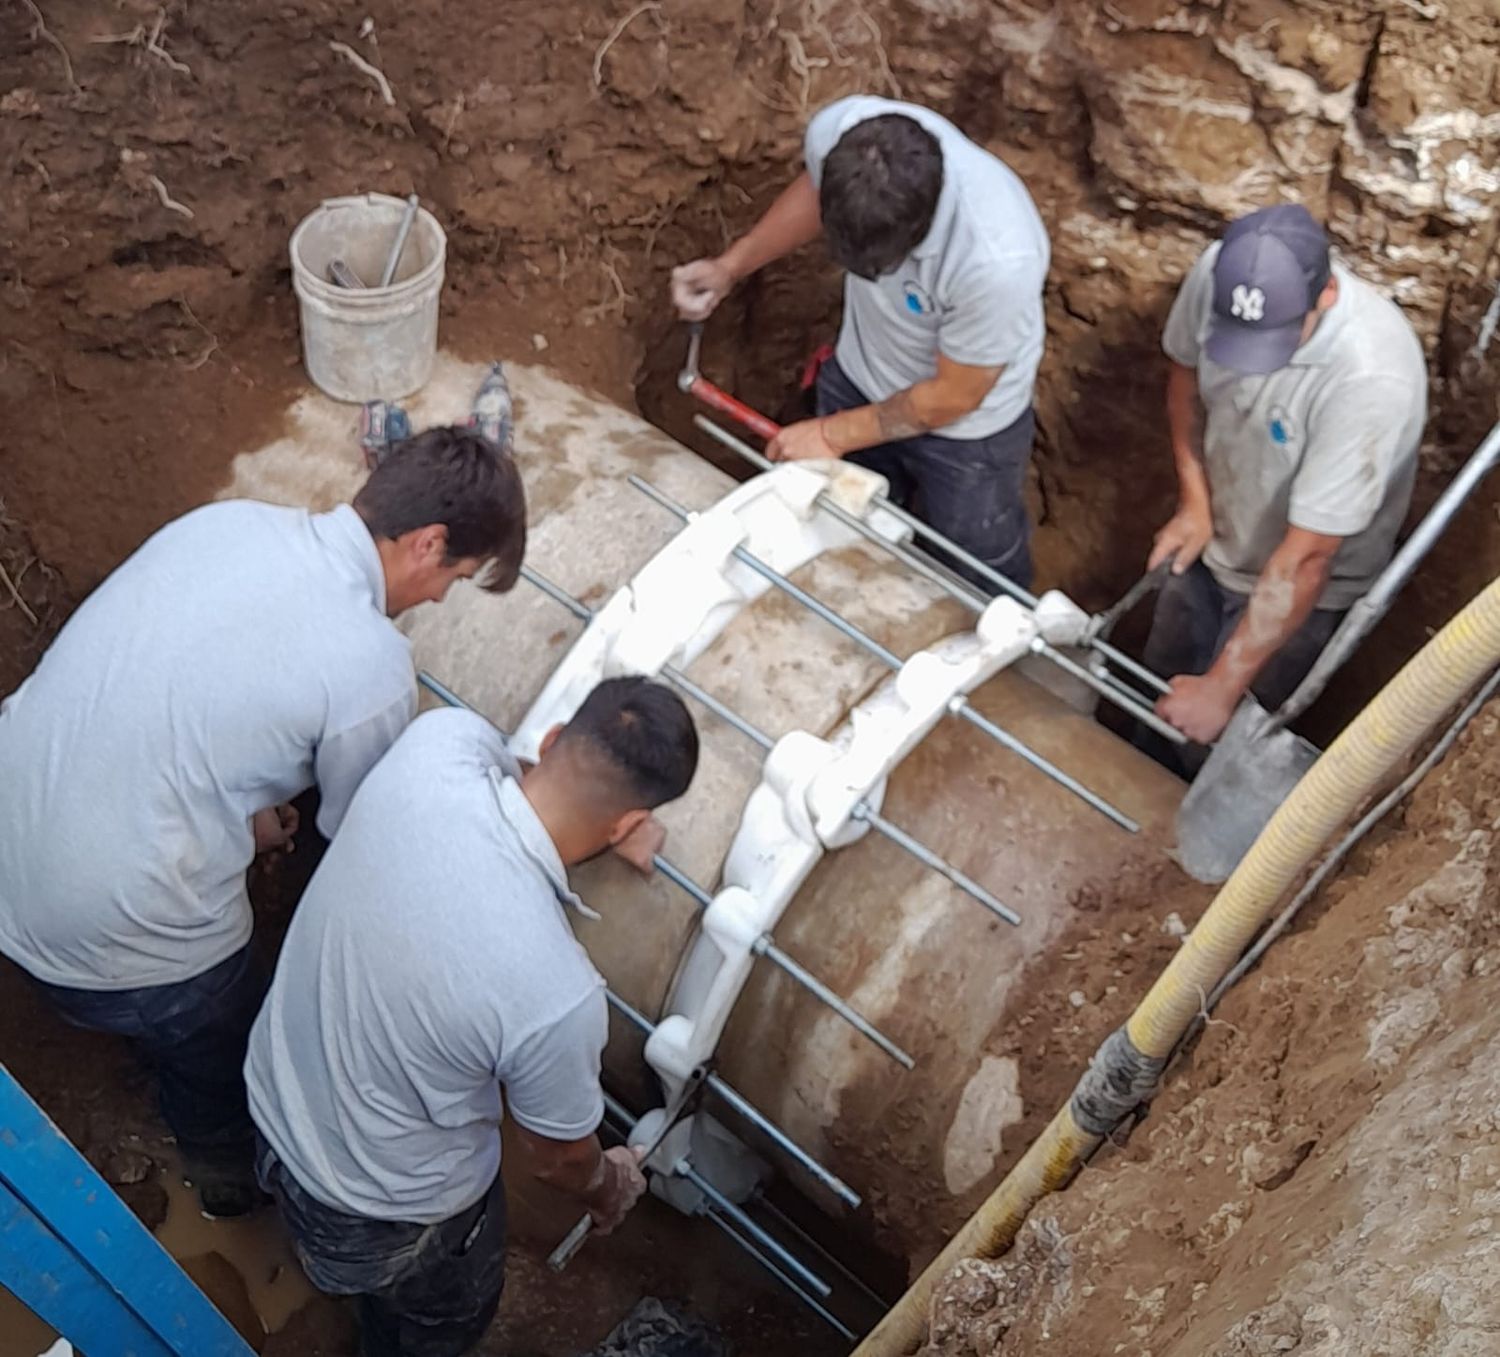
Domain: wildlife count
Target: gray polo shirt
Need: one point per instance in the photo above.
(1328, 443)
(242, 653)
(429, 964)
(971, 290)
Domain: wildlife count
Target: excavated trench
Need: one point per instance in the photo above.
(150, 333)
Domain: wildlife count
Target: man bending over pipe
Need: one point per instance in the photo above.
(430, 965)
(1296, 401)
(245, 652)
(945, 256)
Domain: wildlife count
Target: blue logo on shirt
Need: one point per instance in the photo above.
(1278, 431)
(1281, 426)
(917, 301)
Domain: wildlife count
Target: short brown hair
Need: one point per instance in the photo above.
(879, 193)
(458, 478)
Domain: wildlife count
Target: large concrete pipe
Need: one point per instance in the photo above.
(925, 963)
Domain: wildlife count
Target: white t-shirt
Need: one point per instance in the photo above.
(241, 654)
(971, 290)
(429, 964)
(1327, 443)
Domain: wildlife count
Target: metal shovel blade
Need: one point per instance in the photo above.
(1248, 774)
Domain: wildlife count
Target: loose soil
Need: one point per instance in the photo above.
(157, 157)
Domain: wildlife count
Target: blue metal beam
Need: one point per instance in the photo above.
(77, 1255)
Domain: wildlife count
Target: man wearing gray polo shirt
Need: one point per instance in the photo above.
(945, 258)
(243, 653)
(430, 968)
(1296, 402)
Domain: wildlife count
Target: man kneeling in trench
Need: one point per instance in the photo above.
(430, 965)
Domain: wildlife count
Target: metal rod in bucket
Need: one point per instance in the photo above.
(393, 261)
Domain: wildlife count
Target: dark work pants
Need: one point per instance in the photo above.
(970, 489)
(1194, 619)
(193, 1034)
(424, 1290)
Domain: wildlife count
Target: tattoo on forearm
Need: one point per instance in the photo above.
(898, 418)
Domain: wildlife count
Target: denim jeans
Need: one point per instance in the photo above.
(193, 1034)
(424, 1290)
(1194, 619)
(970, 489)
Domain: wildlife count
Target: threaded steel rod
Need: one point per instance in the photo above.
(763, 946)
(862, 811)
(626, 1124)
(959, 707)
(737, 1100)
(921, 529)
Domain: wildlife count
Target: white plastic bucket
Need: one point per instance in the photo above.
(371, 343)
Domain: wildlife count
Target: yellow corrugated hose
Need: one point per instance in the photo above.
(1405, 711)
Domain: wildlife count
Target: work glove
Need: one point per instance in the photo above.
(699, 287)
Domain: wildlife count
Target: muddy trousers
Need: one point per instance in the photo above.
(1194, 619)
(423, 1290)
(193, 1034)
(972, 490)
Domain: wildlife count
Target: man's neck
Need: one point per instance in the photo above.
(557, 820)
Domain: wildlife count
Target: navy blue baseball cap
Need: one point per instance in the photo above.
(1271, 269)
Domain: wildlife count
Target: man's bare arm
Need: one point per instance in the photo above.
(1185, 535)
(1284, 597)
(607, 1182)
(793, 220)
(955, 391)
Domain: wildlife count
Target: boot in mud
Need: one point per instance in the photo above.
(224, 1177)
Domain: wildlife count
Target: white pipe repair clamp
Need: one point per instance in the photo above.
(682, 599)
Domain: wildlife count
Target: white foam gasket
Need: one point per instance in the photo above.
(684, 597)
(805, 804)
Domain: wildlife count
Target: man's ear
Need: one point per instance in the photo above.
(429, 544)
(626, 825)
(548, 740)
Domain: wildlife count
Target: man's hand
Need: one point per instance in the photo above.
(274, 827)
(800, 442)
(642, 844)
(621, 1188)
(1183, 537)
(699, 287)
(1200, 707)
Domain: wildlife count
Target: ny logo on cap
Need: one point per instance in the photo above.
(1247, 303)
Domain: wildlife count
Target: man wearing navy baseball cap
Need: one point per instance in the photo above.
(1296, 402)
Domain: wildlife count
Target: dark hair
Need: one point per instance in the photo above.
(455, 477)
(643, 733)
(879, 193)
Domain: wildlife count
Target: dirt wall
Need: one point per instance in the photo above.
(1321, 1176)
(158, 156)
